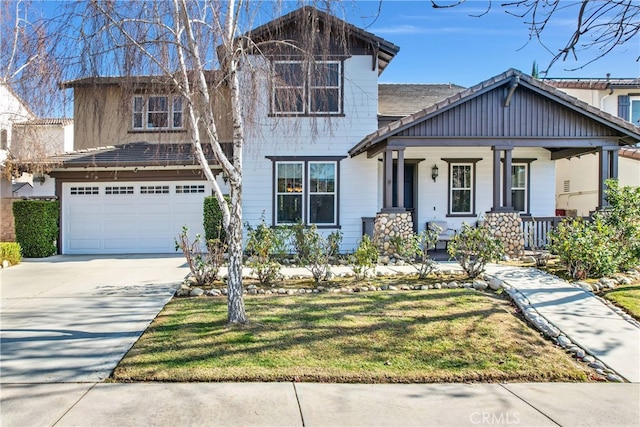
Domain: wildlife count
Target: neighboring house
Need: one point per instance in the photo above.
(577, 183)
(22, 190)
(362, 154)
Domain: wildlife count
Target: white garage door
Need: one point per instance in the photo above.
(130, 217)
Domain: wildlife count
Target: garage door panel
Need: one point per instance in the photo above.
(129, 223)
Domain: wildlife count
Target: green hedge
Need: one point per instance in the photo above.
(213, 228)
(10, 251)
(37, 227)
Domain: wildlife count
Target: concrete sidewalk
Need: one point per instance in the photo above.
(580, 316)
(312, 404)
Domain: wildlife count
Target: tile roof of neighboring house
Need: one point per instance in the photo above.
(132, 155)
(46, 122)
(630, 152)
(462, 96)
(592, 83)
(404, 99)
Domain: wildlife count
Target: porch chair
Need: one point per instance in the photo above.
(445, 234)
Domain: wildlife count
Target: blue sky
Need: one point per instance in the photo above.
(450, 46)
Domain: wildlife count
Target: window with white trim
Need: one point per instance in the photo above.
(306, 191)
(84, 191)
(299, 88)
(154, 189)
(634, 111)
(461, 188)
(187, 189)
(157, 112)
(118, 190)
(519, 187)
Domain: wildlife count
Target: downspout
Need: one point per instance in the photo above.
(607, 95)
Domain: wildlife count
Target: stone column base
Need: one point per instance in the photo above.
(507, 227)
(387, 226)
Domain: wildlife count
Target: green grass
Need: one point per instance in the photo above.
(413, 336)
(627, 297)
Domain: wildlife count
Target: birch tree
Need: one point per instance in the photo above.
(196, 49)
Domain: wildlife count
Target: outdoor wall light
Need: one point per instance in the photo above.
(434, 172)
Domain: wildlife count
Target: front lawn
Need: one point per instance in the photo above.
(627, 297)
(448, 335)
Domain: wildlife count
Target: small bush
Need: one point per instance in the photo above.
(315, 251)
(262, 242)
(623, 215)
(473, 248)
(212, 219)
(415, 250)
(36, 223)
(365, 258)
(10, 251)
(204, 266)
(586, 249)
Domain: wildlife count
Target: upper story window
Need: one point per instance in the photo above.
(299, 88)
(635, 111)
(157, 112)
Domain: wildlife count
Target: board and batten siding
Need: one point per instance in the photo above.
(487, 116)
(315, 136)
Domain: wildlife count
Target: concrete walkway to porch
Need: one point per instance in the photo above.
(580, 316)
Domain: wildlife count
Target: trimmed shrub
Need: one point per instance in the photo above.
(212, 219)
(37, 227)
(473, 248)
(414, 250)
(364, 259)
(315, 250)
(10, 251)
(262, 241)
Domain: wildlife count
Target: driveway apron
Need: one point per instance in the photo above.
(72, 318)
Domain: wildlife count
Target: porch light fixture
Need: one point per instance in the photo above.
(434, 172)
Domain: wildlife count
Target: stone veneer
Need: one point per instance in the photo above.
(507, 227)
(388, 225)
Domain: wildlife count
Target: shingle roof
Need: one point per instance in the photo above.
(132, 155)
(401, 100)
(462, 96)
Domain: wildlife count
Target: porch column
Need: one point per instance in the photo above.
(400, 179)
(387, 202)
(496, 179)
(608, 168)
(506, 180)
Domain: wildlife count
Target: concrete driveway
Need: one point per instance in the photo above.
(72, 318)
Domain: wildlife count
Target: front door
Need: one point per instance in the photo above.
(410, 194)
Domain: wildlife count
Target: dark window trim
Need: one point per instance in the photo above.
(305, 161)
(306, 112)
(472, 162)
(527, 161)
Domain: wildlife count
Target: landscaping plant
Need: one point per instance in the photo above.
(315, 251)
(10, 251)
(37, 227)
(414, 250)
(623, 215)
(364, 258)
(585, 248)
(262, 242)
(212, 219)
(204, 265)
(473, 248)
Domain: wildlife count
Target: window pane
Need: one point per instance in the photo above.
(138, 111)
(635, 112)
(288, 100)
(322, 177)
(289, 208)
(177, 112)
(289, 178)
(518, 176)
(461, 201)
(325, 74)
(518, 199)
(288, 74)
(322, 209)
(461, 176)
(325, 101)
(158, 113)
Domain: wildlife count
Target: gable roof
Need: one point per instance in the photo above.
(400, 100)
(513, 77)
(384, 50)
(137, 154)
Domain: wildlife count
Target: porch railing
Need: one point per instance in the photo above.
(535, 230)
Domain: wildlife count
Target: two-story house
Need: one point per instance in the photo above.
(576, 183)
(325, 147)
